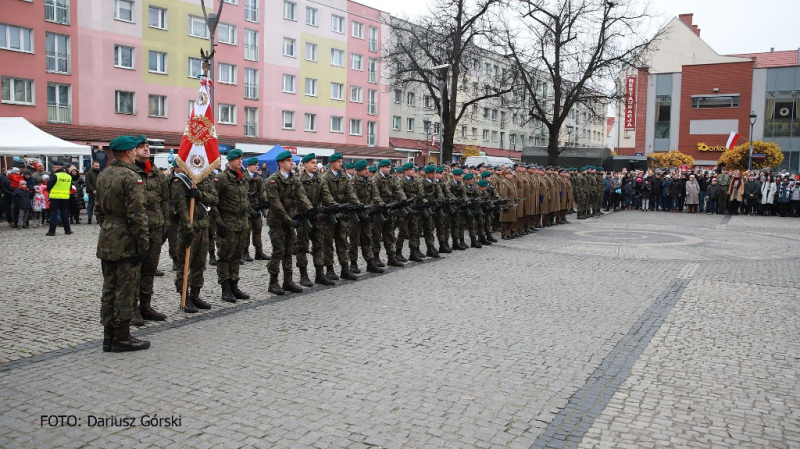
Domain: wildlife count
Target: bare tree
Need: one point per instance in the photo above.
(571, 52)
(449, 34)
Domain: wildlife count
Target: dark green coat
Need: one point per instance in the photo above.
(233, 204)
(340, 188)
(204, 207)
(121, 211)
(286, 197)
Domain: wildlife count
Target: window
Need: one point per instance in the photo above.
(356, 94)
(355, 127)
(398, 95)
(157, 106)
(358, 30)
(426, 126)
(57, 11)
(251, 122)
(227, 73)
(288, 83)
(530, 141)
(226, 34)
(59, 104)
(191, 108)
(475, 89)
(250, 45)
(123, 57)
(486, 113)
(373, 39)
(227, 114)
(494, 136)
(311, 52)
(311, 16)
(494, 115)
(251, 10)
(410, 99)
(485, 135)
(474, 110)
(463, 131)
(231, 2)
(288, 120)
(663, 114)
(337, 57)
(311, 123)
(337, 91)
(716, 101)
(311, 87)
(372, 102)
(195, 67)
(250, 84)
(372, 131)
(157, 62)
(288, 47)
(157, 18)
(58, 53)
(427, 101)
(125, 102)
(410, 125)
(197, 27)
(17, 91)
(337, 24)
(502, 120)
(372, 70)
(123, 10)
(357, 62)
(474, 133)
(289, 10)
(16, 38)
(396, 122)
(337, 124)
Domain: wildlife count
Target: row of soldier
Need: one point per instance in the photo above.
(343, 210)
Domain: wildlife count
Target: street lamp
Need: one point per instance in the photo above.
(753, 117)
(442, 85)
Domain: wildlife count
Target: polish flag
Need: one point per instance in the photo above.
(732, 140)
(198, 154)
(433, 140)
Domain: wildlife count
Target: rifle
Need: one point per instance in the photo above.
(399, 205)
(305, 217)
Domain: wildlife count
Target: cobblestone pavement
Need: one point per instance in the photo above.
(630, 330)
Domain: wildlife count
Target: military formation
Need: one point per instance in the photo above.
(349, 210)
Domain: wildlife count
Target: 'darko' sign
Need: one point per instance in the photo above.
(706, 148)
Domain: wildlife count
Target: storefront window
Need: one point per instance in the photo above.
(663, 114)
(781, 116)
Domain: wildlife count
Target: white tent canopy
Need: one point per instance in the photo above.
(18, 137)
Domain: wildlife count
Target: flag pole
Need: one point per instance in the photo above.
(188, 253)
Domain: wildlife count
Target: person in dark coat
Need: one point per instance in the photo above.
(23, 199)
(678, 193)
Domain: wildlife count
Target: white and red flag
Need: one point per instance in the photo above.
(198, 154)
(433, 140)
(732, 140)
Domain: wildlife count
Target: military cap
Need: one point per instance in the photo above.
(237, 153)
(486, 174)
(285, 154)
(125, 143)
(483, 183)
(360, 165)
(468, 176)
(328, 165)
(373, 169)
(407, 166)
(391, 170)
(335, 157)
(251, 161)
(349, 166)
(175, 162)
(416, 169)
(308, 157)
(56, 163)
(429, 169)
(458, 172)
(440, 170)
(384, 163)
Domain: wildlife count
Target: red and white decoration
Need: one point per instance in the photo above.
(630, 103)
(732, 140)
(199, 151)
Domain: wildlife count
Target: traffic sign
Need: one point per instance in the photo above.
(759, 155)
(638, 154)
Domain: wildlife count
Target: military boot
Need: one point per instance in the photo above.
(473, 243)
(347, 275)
(372, 268)
(260, 254)
(354, 267)
(416, 255)
(190, 306)
(212, 259)
(246, 255)
(174, 264)
(289, 285)
(331, 274)
(378, 261)
(304, 280)
(274, 287)
(108, 337)
(158, 273)
(482, 240)
(432, 253)
(320, 277)
(399, 256)
(491, 238)
(236, 292)
(148, 312)
(227, 293)
(444, 247)
(393, 262)
(123, 341)
(462, 244)
(486, 241)
(194, 296)
(136, 316)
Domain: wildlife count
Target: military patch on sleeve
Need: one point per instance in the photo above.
(139, 181)
(216, 180)
(272, 181)
(176, 180)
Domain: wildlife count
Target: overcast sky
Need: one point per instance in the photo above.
(728, 26)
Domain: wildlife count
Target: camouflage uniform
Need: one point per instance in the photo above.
(204, 210)
(234, 214)
(443, 223)
(458, 190)
(341, 189)
(257, 196)
(390, 191)
(476, 221)
(285, 197)
(361, 232)
(157, 211)
(413, 188)
(317, 193)
(172, 226)
(430, 187)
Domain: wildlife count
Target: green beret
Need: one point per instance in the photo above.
(251, 161)
(175, 162)
(125, 143)
(468, 176)
(308, 157)
(384, 163)
(234, 154)
(373, 169)
(335, 157)
(391, 170)
(486, 174)
(407, 166)
(483, 183)
(328, 165)
(458, 172)
(360, 165)
(285, 154)
(429, 169)
(440, 170)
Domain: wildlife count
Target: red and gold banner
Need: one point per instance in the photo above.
(199, 151)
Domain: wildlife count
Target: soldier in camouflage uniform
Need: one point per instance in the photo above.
(376, 226)
(413, 189)
(123, 243)
(318, 194)
(157, 209)
(390, 191)
(457, 223)
(472, 222)
(432, 193)
(257, 196)
(193, 233)
(233, 225)
(443, 223)
(361, 231)
(286, 197)
(172, 223)
(492, 214)
(341, 189)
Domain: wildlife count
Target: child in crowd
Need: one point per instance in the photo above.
(23, 198)
(39, 205)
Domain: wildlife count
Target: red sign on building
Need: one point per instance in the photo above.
(292, 149)
(630, 103)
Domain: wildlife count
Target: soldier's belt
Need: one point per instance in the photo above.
(116, 218)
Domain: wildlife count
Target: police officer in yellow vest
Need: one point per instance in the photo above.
(59, 186)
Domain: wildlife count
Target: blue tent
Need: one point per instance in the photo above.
(269, 158)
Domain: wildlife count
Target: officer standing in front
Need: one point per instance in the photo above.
(233, 225)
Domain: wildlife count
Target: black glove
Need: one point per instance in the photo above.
(294, 224)
(164, 235)
(344, 217)
(368, 219)
(139, 257)
(193, 193)
(322, 217)
(263, 205)
(188, 238)
(222, 230)
(255, 214)
(415, 212)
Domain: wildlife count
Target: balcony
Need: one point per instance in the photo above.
(59, 113)
(58, 62)
(56, 12)
(251, 91)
